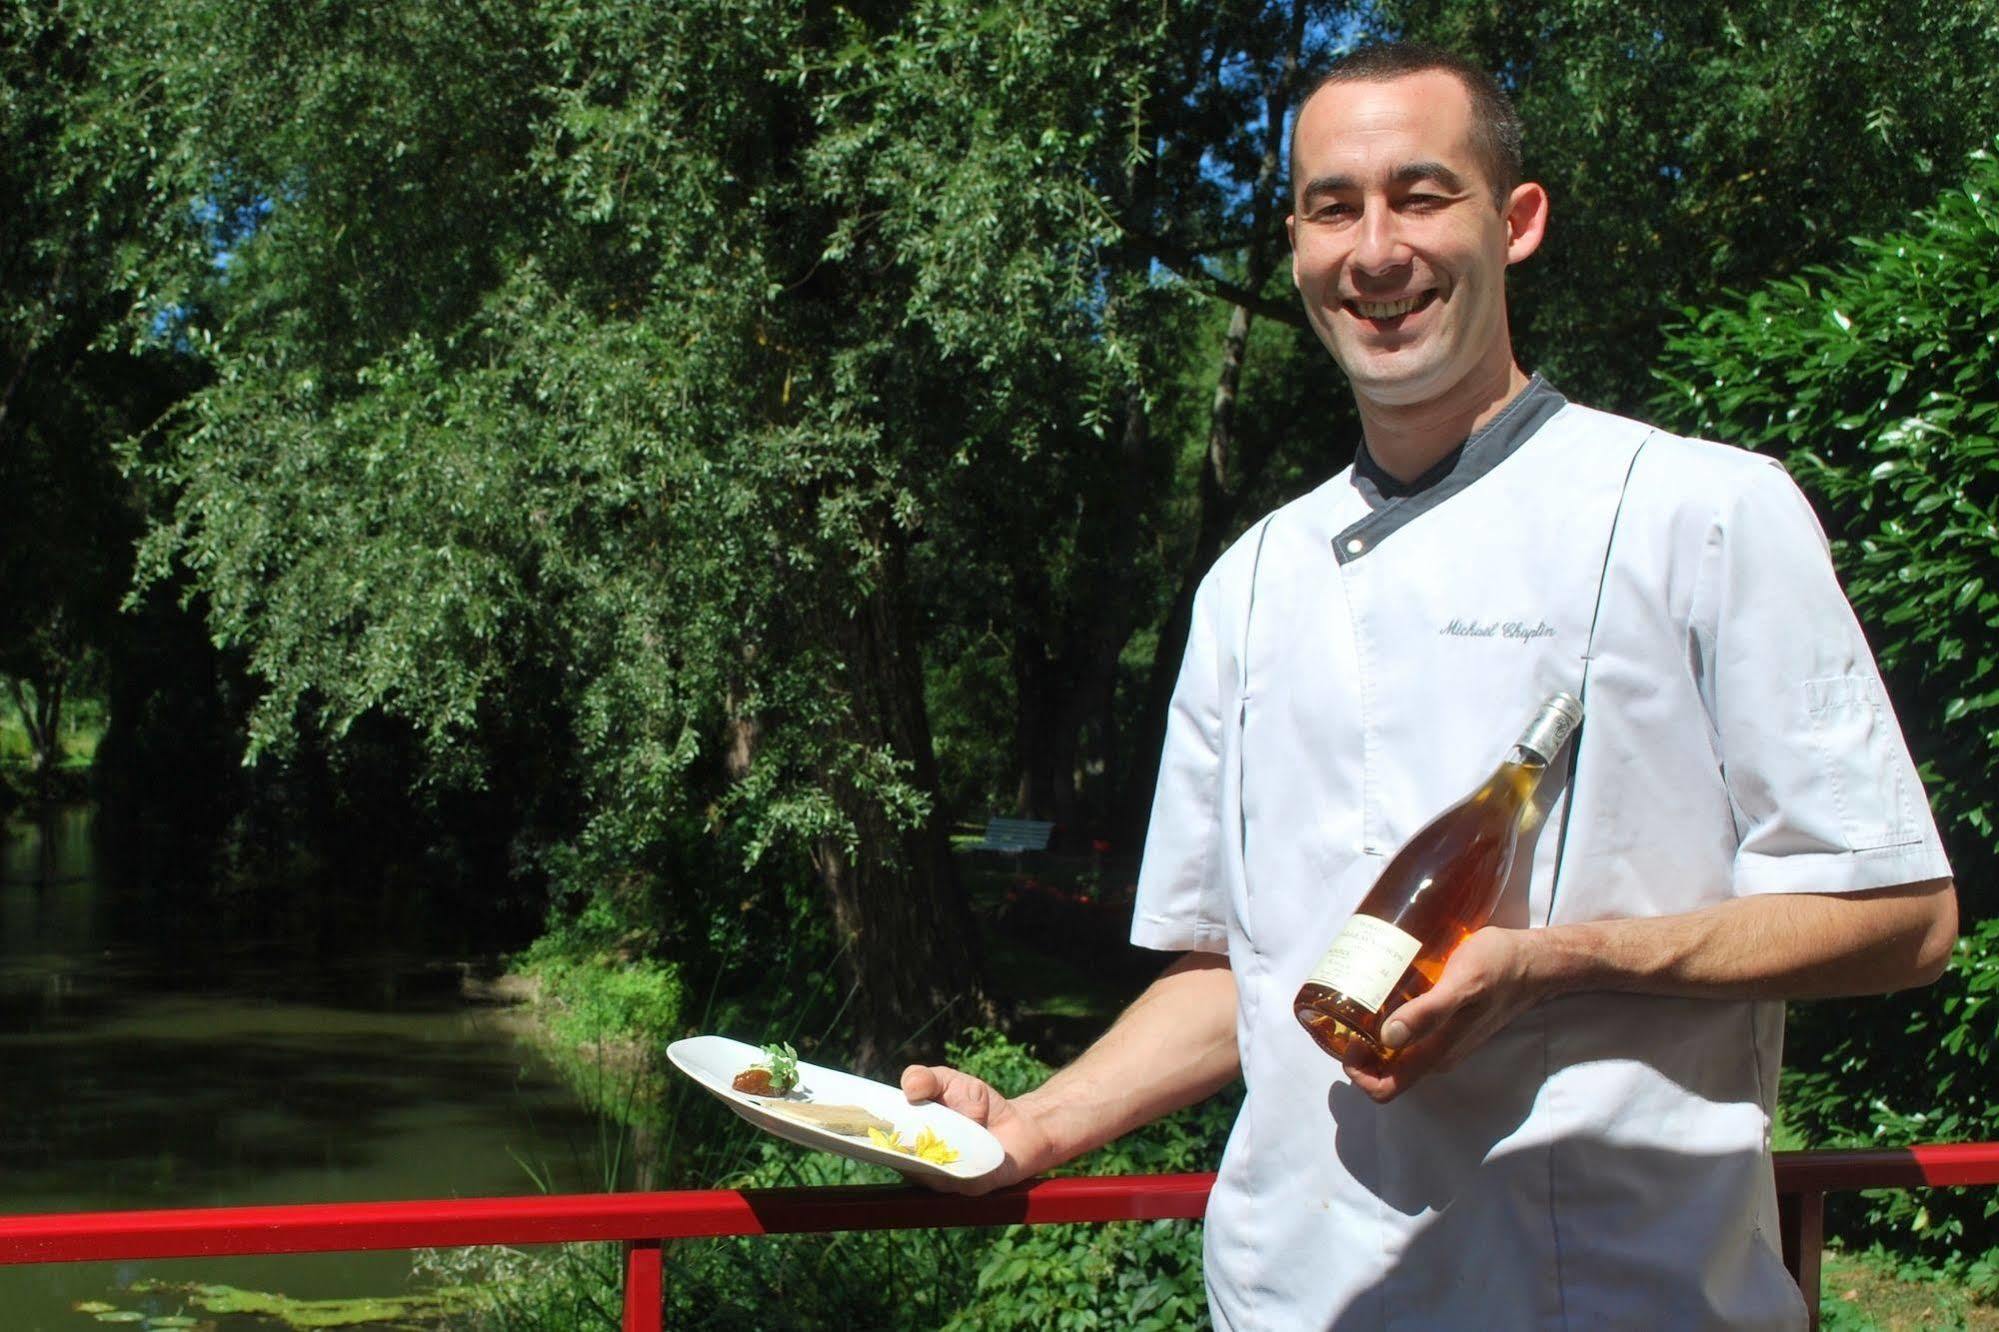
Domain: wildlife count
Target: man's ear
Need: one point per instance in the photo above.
(1526, 220)
(1291, 235)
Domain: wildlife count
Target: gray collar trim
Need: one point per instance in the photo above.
(1490, 445)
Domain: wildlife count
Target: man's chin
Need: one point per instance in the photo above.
(1392, 381)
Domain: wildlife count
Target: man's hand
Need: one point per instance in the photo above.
(1485, 985)
(1028, 1149)
(1173, 1046)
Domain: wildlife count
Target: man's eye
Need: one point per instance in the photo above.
(1423, 203)
(1332, 212)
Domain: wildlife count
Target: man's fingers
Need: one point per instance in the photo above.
(956, 1091)
(1384, 1080)
(971, 1098)
(920, 1084)
(1375, 1082)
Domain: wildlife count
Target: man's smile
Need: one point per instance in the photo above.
(1389, 314)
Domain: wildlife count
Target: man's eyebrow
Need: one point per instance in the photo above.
(1410, 173)
(1435, 172)
(1319, 186)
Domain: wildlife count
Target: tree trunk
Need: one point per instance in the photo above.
(1059, 694)
(1047, 774)
(910, 949)
(40, 706)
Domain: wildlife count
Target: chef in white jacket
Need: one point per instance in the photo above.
(1575, 1131)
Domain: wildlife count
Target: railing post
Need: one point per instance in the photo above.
(1801, 1218)
(644, 1295)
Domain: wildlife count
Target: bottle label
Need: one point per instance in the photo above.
(1366, 960)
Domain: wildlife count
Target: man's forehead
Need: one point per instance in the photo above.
(1386, 123)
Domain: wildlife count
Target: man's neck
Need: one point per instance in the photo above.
(1407, 441)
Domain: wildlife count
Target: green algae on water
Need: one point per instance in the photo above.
(416, 1313)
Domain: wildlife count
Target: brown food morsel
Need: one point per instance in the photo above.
(755, 1082)
(849, 1120)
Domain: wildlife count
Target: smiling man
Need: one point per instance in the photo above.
(1406, 218)
(1574, 1130)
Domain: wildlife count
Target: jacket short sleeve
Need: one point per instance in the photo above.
(1825, 795)
(1181, 900)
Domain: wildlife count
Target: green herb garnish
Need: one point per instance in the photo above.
(782, 1062)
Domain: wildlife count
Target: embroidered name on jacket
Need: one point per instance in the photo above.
(1519, 631)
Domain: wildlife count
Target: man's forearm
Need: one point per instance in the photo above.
(1777, 946)
(1772, 946)
(1175, 1045)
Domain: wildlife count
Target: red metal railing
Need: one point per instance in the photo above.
(642, 1221)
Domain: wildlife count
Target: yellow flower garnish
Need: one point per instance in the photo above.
(890, 1143)
(929, 1147)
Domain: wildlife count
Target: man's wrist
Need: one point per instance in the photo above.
(1563, 959)
(1044, 1147)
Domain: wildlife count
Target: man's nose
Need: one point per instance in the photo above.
(1379, 248)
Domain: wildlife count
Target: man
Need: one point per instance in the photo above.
(1574, 1130)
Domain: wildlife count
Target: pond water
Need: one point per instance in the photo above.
(150, 1059)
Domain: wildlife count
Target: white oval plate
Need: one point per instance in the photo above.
(714, 1061)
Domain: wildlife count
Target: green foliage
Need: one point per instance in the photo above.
(1129, 1274)
(1868, 1289)
(69, 385)
(607, 997)
(1878, 383)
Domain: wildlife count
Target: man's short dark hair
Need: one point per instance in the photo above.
(1495, 125)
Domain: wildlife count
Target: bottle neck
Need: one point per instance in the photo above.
(1520, 774)
(1544, 737)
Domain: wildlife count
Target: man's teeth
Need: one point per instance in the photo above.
(1387, 309)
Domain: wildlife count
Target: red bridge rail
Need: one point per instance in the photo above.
(642, 1221)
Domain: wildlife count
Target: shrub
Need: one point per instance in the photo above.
(1126, 1275)
(1132, 1274)
(603, 997)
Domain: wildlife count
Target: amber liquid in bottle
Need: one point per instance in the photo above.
(1439, 888)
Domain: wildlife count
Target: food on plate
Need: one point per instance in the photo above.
(928, 1146)
(776, 1075)
(849, 1120)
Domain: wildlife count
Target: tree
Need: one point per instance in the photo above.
(71, 383)
(1877, 381)
(533, 408)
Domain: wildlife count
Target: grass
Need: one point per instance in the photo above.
(82, 728)
(1871, 1292)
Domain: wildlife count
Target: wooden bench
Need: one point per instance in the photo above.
(1013, 836)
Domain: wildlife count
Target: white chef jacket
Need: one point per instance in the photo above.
(1357, 662)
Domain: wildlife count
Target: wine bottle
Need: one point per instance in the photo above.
(1440, 887)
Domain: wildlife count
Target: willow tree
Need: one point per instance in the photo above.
(532, 415)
